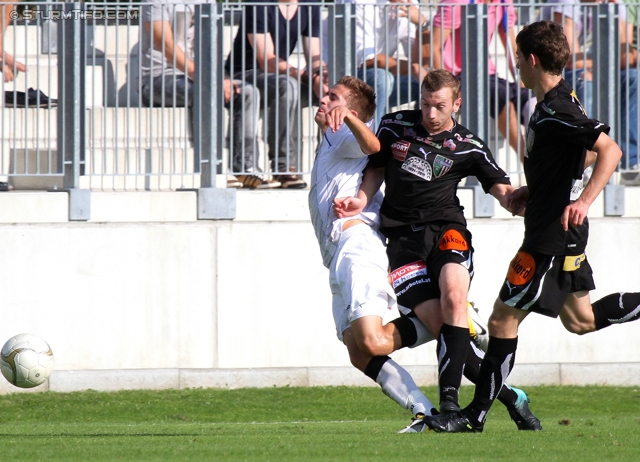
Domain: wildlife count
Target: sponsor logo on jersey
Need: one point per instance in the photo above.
(521, 269)
(397, 122)
(398, 116)
(468, 139)
(449, 144)
(441, 165)
(453, 240)
(400, 150)
(409, 132)
(572, 263)
(428, 142)
(418, 167)
(407, 272)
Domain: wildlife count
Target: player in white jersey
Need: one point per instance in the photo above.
(354, 251)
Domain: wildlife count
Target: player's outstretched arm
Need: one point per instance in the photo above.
(351, 206)
(368, 141)
(608, 156)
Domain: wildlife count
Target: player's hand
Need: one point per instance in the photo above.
(335, 117)
(574, 214)
(517, 201)
(411, 12)
(348, 206)
(8, 67)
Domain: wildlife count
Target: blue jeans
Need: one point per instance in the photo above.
(629, 117)
(382, 83)
(409, 91)
(583, 88)
(628, 109)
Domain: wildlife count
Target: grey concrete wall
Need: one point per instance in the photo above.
(169, 301)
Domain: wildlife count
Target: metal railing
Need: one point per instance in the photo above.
(101, 135)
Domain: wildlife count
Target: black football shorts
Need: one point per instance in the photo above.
(417, 253)
(540, 283)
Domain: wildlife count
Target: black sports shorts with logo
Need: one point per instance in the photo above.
(540, 283)
(417, 254)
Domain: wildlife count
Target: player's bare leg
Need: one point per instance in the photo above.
(394, 380)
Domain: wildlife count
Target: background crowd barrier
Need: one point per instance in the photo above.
(94, 134)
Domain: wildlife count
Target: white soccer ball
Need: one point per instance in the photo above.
(26, 360)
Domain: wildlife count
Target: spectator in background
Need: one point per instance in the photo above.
(447, 54)
(380, 28)
(10, 67)
(266, 38)
(576, 19)
(629, 86)
(167, 81)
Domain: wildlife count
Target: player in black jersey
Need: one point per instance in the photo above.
(550, 274)
(424, 155)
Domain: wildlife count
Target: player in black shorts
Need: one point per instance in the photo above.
(424, 155)
(550, 274)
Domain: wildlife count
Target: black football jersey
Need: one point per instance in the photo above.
(422, 171)
(558, 138)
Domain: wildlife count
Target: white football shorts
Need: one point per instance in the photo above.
(359, 277)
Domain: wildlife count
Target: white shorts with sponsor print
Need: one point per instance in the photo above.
(359, 277)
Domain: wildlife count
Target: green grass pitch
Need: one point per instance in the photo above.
(307, 424)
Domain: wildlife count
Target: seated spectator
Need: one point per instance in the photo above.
(380, 28)
(576, 19)
(9, 67)
(168, 67)
(510, 96)
(266, 38)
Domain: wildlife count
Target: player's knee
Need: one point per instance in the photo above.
(454, 302)
(376, 345)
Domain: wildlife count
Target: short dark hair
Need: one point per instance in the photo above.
(438, 79)
(547, 41)
(361, 97)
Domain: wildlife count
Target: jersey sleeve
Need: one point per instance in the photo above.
(487, 170)
(582, 132)
(386, 136)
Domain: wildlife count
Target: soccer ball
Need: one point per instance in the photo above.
(26, 360)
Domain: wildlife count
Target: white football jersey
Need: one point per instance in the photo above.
(337, 172)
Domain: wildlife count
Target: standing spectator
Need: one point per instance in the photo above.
(447, 54)
(263, 44)
(167, 81)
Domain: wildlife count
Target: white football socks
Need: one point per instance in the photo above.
(398, 385)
